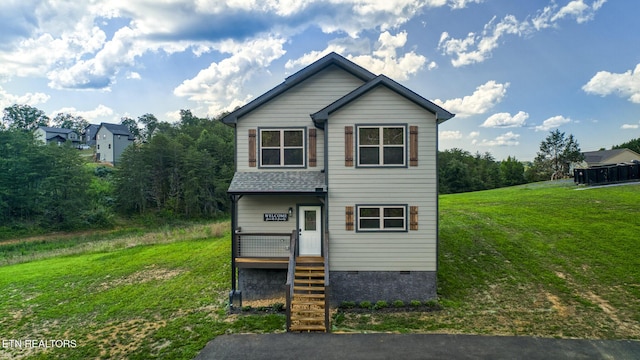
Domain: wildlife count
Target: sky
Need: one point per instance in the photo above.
(511, 71)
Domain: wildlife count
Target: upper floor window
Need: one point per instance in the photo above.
(282, 147)
(381, 145)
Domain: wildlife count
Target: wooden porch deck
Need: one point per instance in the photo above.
(262, 262)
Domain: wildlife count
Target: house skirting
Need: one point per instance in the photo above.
(260, 284)
(382, 285)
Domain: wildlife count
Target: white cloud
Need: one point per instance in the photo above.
(484, 44)
(100, 113)
(31, 99)
(133, 75)
(473, 134)
(384, 60)
(220, 86)
(505, 120)
(461, 4)
(626, 84)
(552, 123)
(450, 135)
(579, 10)
(507, 139)
(476, 48)
(629, 126)
(483, 98)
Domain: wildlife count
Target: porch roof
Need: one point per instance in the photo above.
(279, 182)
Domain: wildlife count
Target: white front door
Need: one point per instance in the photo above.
(310, 230)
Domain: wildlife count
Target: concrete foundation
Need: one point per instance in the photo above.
(382, 285)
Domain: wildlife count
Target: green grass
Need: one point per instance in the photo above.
(149, 300)
(540, 260)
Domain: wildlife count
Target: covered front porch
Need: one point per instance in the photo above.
(279, 219)
(275, 215)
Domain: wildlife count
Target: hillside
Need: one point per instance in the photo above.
(539, 259)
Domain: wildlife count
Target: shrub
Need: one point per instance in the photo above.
(432, 303)
(398, 303)
(365, 305)
(277, 307)
(381, 304)
(347, 305)
(415, 303)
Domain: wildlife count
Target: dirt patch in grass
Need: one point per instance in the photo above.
(557, 305)
(139, 277)
(117, 339)
(612, 313)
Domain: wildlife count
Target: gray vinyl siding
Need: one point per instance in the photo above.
(104, 137)
(292, 109)
(120, 143)
(251, 209)
(414, 250)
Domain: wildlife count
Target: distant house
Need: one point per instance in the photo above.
(609, 157)
(56, 135)
(89, 134)
(111, 140)
(333, 167)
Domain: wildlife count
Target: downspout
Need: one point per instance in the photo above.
(437, 203)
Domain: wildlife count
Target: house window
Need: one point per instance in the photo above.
(381, 145)
(382, 218)
(282, 147)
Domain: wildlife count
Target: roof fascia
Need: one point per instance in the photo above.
(322, 116)
(331, 59)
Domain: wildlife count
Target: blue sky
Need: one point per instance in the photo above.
(512, 71)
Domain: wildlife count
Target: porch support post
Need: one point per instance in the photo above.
(234, 295)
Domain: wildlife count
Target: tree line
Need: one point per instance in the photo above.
(179, 170)
(183, 170)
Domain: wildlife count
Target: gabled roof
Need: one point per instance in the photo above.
(323, 115)
(59, 137)
(293, 80)
(602, 156)
(282, 182)
(55, 130)
(115, 129)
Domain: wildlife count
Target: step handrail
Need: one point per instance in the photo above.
(290, 275)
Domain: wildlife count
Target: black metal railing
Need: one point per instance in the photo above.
(267, 245)
(290, 276)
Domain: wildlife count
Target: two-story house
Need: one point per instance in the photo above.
(111, 140)
(59, 136)
(335, 192)
(89, 136)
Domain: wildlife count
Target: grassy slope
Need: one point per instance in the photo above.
(535, 260)
(151, 300)
(530, 260)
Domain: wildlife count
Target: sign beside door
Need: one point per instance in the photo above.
(310, 230)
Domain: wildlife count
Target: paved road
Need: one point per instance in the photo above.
(413, 346)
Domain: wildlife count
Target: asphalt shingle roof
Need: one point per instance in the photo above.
(278, 182)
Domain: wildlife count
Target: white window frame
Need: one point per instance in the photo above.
(282, 147)
(381, 146)
(381, 218)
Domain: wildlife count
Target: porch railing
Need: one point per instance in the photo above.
(290, 276)
(267, 245)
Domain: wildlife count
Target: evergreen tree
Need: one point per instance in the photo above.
(512, 172)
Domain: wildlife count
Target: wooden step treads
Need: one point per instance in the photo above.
(308, 305)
